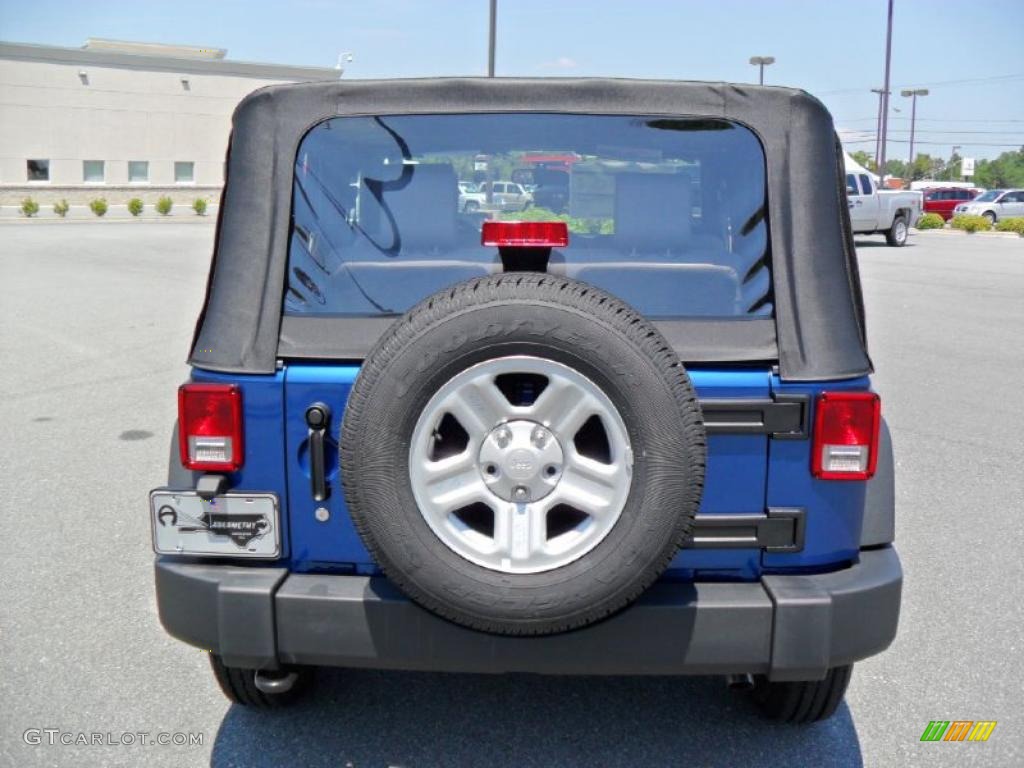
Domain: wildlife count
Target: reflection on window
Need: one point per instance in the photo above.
(668, 214)
(38, 170)
(92, 171)
(184, 172)
(138, 171)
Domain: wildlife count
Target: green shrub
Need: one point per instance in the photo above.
(971, 224)
(61, 208)
(135, 206)
(164, 205)
(1015, 224)
(598, 226)
(98, 206)
(930, 221)
(29, 207)
(199, 206)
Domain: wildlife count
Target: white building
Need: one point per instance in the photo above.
(119, 120)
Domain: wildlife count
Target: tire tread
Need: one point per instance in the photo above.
(803, 701)
(239, 686)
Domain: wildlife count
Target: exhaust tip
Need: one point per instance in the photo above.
(744, 682)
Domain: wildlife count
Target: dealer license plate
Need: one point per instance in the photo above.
(228, 525)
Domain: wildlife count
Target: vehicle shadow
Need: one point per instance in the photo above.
(879, 243)
(360, 718)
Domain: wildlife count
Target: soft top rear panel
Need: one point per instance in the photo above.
(818, 324)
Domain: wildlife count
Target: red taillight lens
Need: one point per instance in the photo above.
(210, 426)
(845, 443)
(525, 234)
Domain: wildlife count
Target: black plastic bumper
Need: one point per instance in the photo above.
(788, 627)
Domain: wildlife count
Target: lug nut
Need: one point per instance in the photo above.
(502, 436)
(520, 493)
(539, 437)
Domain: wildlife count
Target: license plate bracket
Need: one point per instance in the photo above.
(225, 525)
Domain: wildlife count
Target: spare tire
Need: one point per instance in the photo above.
(523, 454)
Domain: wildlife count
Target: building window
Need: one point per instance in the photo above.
(92, 171)
(138, 171)
(184, 172)
(38, 170)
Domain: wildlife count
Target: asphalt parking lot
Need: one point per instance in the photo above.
(96, 319)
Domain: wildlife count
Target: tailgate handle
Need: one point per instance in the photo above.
(318, 419)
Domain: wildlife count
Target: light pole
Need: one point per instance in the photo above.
(493, 33)
(761, 62)
(346, 57)
(913, 94)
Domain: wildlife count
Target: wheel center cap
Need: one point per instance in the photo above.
(521, 461)
(521, 464)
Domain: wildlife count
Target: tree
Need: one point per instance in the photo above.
(896, 168)
(863, 158)
(1007, 170)
(952, 170)
(925, 167)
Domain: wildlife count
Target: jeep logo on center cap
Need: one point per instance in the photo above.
(520, 464)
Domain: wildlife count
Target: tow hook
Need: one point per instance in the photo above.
(275, 684)
(744, 682)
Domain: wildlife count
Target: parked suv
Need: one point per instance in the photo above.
(471, 198)
(643, 442)
(508, 195)
(942, 200)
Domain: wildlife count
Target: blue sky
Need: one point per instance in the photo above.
(969, 53)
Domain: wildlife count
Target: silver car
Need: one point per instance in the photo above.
(995, 205)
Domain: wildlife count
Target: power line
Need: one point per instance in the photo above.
(1012, 131)
(937, 119)
(933, 143)
(966, 81)
(969, 80)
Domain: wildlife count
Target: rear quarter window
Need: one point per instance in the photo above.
(669, 214)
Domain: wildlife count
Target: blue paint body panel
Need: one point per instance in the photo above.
(835, 508)
(262, 407)
(318, 545)
(734, 480)
(745, 474)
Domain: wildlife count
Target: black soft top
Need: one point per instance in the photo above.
(818, 329)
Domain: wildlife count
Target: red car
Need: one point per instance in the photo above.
(942, 200)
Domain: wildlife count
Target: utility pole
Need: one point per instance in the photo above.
(885, 99)
(913, 94)
(492, 38)
(878, 125)
(762, 62)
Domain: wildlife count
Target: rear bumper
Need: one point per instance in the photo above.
(787, 627)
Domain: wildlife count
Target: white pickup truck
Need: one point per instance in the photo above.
(875, 211)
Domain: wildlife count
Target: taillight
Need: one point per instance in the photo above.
(210, 426)
(845, 443)
(525, 234)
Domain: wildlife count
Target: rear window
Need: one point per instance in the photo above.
(669, 214)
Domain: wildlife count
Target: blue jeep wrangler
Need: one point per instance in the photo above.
(632, 436)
